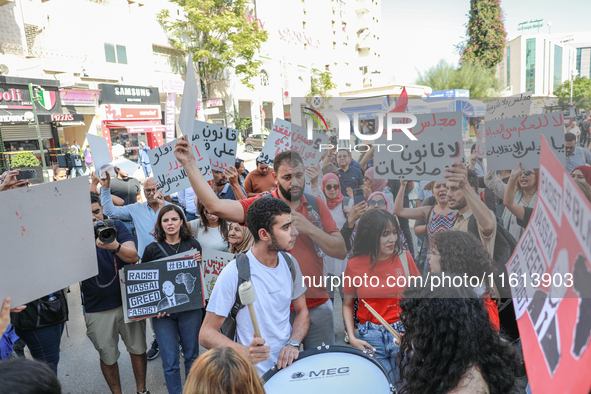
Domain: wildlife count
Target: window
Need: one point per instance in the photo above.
(304, 25)
(508, 66)
(557, 66)
(334, 45)
(530, 64)
(169, 60)
(115, 53)
(264, 78)
(578, 64)
(363, 70)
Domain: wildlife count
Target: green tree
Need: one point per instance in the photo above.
(581, 92)
(486, 35)
(24, 159)
(220, 35)
(320, 84)
(478, 79)
(241, 124)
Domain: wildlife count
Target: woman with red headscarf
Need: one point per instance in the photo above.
(339, 207)
(582, 174)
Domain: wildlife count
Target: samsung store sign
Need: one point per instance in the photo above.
(123, 94)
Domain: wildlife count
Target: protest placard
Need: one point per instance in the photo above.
(169, 173)
(288, 136)
(503, 108)
(33, 264)
(550, 279)
(101, 155)
(220, 143)
(517, 140)
(190, 99)
(213, 261)
(168, 285)
(438, 145)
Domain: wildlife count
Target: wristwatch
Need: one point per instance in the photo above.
(118, 249)
(294, 343)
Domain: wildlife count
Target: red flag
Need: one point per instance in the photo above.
(402, 102)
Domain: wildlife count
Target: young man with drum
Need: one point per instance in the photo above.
(277, 283)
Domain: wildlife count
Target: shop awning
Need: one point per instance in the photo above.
(366, 108)
(139, 127)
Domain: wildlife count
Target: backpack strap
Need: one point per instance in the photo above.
(162, 249)
(289, 262)
(311, 200)
(243, 266)
(404, 262)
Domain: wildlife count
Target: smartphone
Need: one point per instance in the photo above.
(358, 196)
(26, 174)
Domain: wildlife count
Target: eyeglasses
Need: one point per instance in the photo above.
(150, 191)
(380, 203)
(331, 187)
(527, 173)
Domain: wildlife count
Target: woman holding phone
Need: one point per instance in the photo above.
(173, 236)
(379, 256)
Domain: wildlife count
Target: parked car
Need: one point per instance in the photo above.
(255, 141)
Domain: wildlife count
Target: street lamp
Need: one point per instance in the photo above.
(34, 99)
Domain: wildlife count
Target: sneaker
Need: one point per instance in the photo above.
(154, 350)
(346, 339)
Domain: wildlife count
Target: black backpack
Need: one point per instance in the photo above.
(505, 245)
(243, 265)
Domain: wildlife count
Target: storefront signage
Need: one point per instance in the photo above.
(80, 98)
(120, 112)
(13, 119)
(17, 99)
(532, 24)
(120, 94)
(8, 95)
(291, 36)
(61, 118)
(172, 86)
(214, 103)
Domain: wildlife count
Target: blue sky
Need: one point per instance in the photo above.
(417, 34)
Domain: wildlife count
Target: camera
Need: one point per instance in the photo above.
(105, 231)
(69, 161)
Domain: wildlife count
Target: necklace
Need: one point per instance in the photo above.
(177, 248)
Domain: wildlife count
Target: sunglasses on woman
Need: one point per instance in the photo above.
(331, 187)
(380, 203)
(527, 173)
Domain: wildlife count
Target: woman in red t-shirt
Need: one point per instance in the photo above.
(377, 274)
(457, 253)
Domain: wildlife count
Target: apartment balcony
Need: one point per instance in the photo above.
(361, 6)
(364, 40)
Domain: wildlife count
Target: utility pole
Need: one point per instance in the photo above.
(34, 100)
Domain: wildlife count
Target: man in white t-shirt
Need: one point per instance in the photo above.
(269, 220)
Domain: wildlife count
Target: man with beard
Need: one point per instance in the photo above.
(461, 195)
(289, 172)
(270, 222)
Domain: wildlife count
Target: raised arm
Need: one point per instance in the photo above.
(232, 175)
(408, 213)
(312, 174)
(494, 183)
(368, 155)
(230, 210)
(109, 208)
(509, 198)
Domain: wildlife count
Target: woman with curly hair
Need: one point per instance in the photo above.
(459, 253)
(449, 345)
(223, 371)
(173, 236)
(377, 254)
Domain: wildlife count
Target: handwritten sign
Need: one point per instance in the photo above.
(517, 140)
(169, 173)
(551, 283)
(219, 142)
(213, 261)
(508, 107)
(288, 136)
(167, 285)
(438, 145)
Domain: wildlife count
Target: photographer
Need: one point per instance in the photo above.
(101, 300)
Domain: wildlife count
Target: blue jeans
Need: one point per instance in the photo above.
(78, 170)
(44, 343)
(185, 325)
(190, 216)
(386, 350)
(147, 169)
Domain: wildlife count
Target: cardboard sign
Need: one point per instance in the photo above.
(504, 108)
(190, 99)
(517, 140)
(220, 143)
(550, 279)
(100, 154)
(168, 285)
(32, 265)
(288, 136)
(438, 145)
(169, 173)
(213, 261)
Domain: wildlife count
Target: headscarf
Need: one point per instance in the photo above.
(586, 170)
(247, 241)
(388, 206)
(377, 185)
(332, 202)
